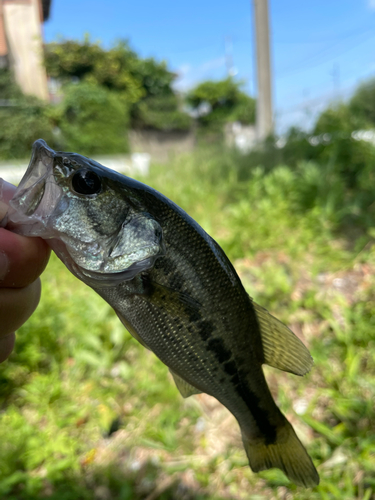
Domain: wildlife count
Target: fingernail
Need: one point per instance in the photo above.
(4, 265)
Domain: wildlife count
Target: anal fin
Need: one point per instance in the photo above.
(184, 387)
(281, 348)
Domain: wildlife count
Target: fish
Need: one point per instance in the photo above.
(174, 290)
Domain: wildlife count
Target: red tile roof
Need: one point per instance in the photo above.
(3, 41)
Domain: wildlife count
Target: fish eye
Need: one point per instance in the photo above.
(86, 182)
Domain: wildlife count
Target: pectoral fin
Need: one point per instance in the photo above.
(281, 348)
(172, 301)
(184, 387)
(131, 330)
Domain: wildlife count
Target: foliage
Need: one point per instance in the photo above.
(92, 119)
(24, 119)
(224, 101)
(89, 62)
(155, 77)
(362, 103)
(145, 85)
(160, 113)
(336, 119)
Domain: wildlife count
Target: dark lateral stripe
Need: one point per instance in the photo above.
(238, 380)
(230, 368)
(221, 353)
(206, 329)
(253, 403)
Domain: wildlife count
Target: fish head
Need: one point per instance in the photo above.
(88, 214)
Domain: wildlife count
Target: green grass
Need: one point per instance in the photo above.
(88, 413)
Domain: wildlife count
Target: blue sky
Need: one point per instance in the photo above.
(321, 49)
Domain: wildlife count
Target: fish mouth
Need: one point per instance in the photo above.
(37, 194)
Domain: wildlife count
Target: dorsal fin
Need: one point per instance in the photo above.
(184, 387)
(281, 348)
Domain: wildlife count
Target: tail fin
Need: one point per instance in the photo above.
(286, 453)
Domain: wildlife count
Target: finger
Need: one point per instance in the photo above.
(16, 306)
(6, 191)
(25, 259)
(6, 346)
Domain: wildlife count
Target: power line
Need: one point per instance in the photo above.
(340, 37)
(306, 62)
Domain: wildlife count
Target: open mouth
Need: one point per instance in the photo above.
(37, 192)
(31, 189)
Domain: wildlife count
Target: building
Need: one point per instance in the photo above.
(21, 43)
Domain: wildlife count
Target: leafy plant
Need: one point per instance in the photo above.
(24, 119)
(92, 120)
(217, 102)
(143, 86)
(160, 112)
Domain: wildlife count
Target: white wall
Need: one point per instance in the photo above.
(24, 35)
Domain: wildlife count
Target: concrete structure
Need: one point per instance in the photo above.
(21, 43)
(241, 137)
(161, 145)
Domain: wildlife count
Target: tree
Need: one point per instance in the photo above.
(85, 61)
(362, 104)
(92, 120)
(338, 119)
(348, 156)
(144, 84)
(217, 102)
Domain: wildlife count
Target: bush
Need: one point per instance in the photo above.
(23, 118)
(362, 104)
(218, 102)
(92, 120)
(160, 113)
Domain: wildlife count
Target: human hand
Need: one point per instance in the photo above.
(22, 260)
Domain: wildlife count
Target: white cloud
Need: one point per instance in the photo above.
(212, 64)
(185, 68)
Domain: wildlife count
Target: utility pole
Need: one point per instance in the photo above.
(264, 123)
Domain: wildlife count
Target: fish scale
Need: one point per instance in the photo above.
(173, 288)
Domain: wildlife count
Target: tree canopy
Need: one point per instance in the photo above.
(144, 84)
(221, 101)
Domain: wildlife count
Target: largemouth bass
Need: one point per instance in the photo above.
(173, 288)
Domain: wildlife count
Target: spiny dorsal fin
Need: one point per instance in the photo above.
(281, 348)
(184, 387)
